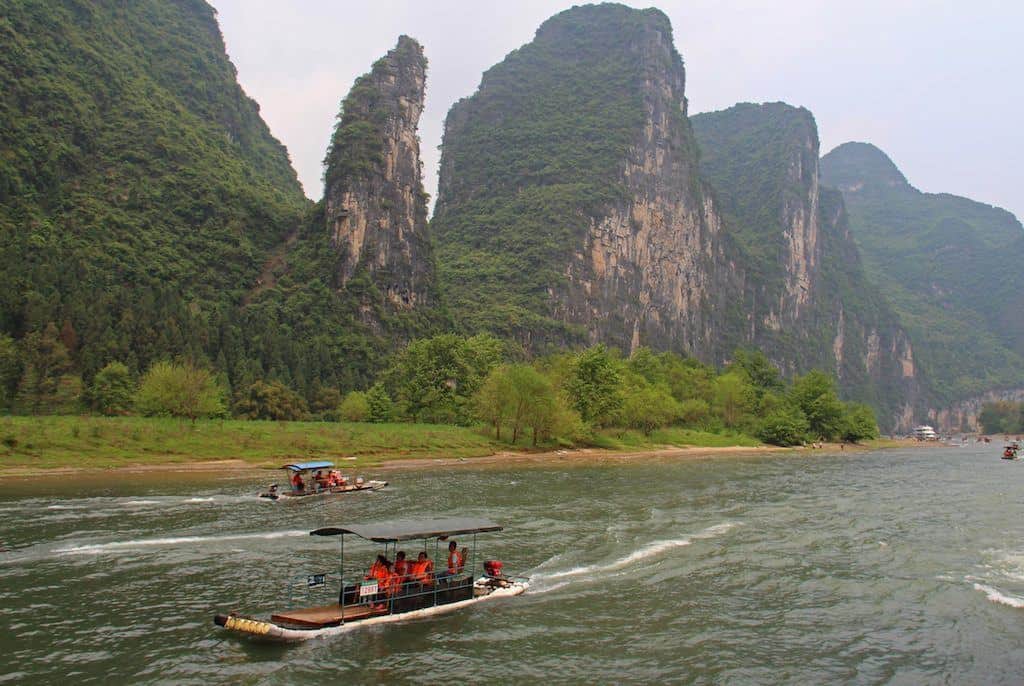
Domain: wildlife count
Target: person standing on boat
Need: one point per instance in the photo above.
(401, 570)
(453, 562)
(298, 485)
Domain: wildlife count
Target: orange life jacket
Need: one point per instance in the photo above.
(454, 565)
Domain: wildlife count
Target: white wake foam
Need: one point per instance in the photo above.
(652, 549)
(179, 540)
(998, 597)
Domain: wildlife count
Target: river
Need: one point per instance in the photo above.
(898, 566)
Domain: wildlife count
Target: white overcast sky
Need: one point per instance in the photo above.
(936, 84)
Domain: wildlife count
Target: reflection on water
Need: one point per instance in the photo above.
(900, 565)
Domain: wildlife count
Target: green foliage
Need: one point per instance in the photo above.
(112, 390)
(536, 155)
(46, 361)
(734, 398)
(1002, 416)
(179, 390)
(355, 407)
(594, 385)
(272, 400)
(950, 266)
(815, 395)
(434, 379)
(859, 423)
(648, 407)
(492, 399)
(785, 425)
(10, 371)
(382, 408)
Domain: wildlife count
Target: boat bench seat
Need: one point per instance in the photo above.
(324, 615)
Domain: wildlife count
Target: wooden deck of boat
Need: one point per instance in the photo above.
(325, 615)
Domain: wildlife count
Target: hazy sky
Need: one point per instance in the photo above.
(937, 85)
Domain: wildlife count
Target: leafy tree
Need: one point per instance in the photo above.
(1001, 416)
(46, 361)
(815, 394)
(10, 371)
(382, 409)
(112, 390)
(273, 401)
(734, 397)
(355, 407)
(179, 390)
(493, 399)
(594, 385)
(785, 425)
(648, 407)
(433, 379)
(858, 423)
(325, 403)
(531, 400)
(695, 412)
(763, 375)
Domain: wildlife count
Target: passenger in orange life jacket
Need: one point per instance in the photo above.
(401, 569)
(422, 570)
(297, 483)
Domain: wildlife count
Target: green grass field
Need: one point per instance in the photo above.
(106, 442)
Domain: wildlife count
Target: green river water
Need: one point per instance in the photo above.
(900, 566)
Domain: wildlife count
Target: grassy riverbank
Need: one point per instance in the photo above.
(110, 442)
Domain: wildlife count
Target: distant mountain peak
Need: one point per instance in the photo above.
(852, 165)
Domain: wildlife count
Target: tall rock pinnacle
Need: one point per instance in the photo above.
(374, 203)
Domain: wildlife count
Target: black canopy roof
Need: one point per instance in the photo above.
(409, 529)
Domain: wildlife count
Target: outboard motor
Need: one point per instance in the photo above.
(493, 572)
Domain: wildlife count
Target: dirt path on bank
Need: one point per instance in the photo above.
(578, 456)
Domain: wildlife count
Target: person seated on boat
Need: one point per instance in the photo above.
(380, 571)
(321, 480)
(463, 556)
(401, 568)
(334, 478)
(298, 485)
(422, 570)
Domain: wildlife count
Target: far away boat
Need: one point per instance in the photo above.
(365, 601)
(317, 479)
(1010, 451)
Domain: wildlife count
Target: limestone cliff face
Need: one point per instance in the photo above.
(652, 270)
(374, 203)
(569, 196)
(963, 415)
(807, 300)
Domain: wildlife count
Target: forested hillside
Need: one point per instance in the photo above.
(951, 267)
(140, 191)
(807, 295)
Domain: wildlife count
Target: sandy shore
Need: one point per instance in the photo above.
(578, 456)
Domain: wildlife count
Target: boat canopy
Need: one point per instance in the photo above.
(409, 529)
(303, 466)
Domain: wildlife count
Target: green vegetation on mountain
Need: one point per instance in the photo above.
(532, 158)
(140, 191)
(950, 266)
(762, 163)
(1002, 417)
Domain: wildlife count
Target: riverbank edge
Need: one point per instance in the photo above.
(503, 458)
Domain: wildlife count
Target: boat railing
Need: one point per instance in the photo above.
(383, 598)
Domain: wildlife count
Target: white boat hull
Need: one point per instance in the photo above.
(270, 631)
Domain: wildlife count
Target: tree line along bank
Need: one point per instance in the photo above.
(562, 398)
